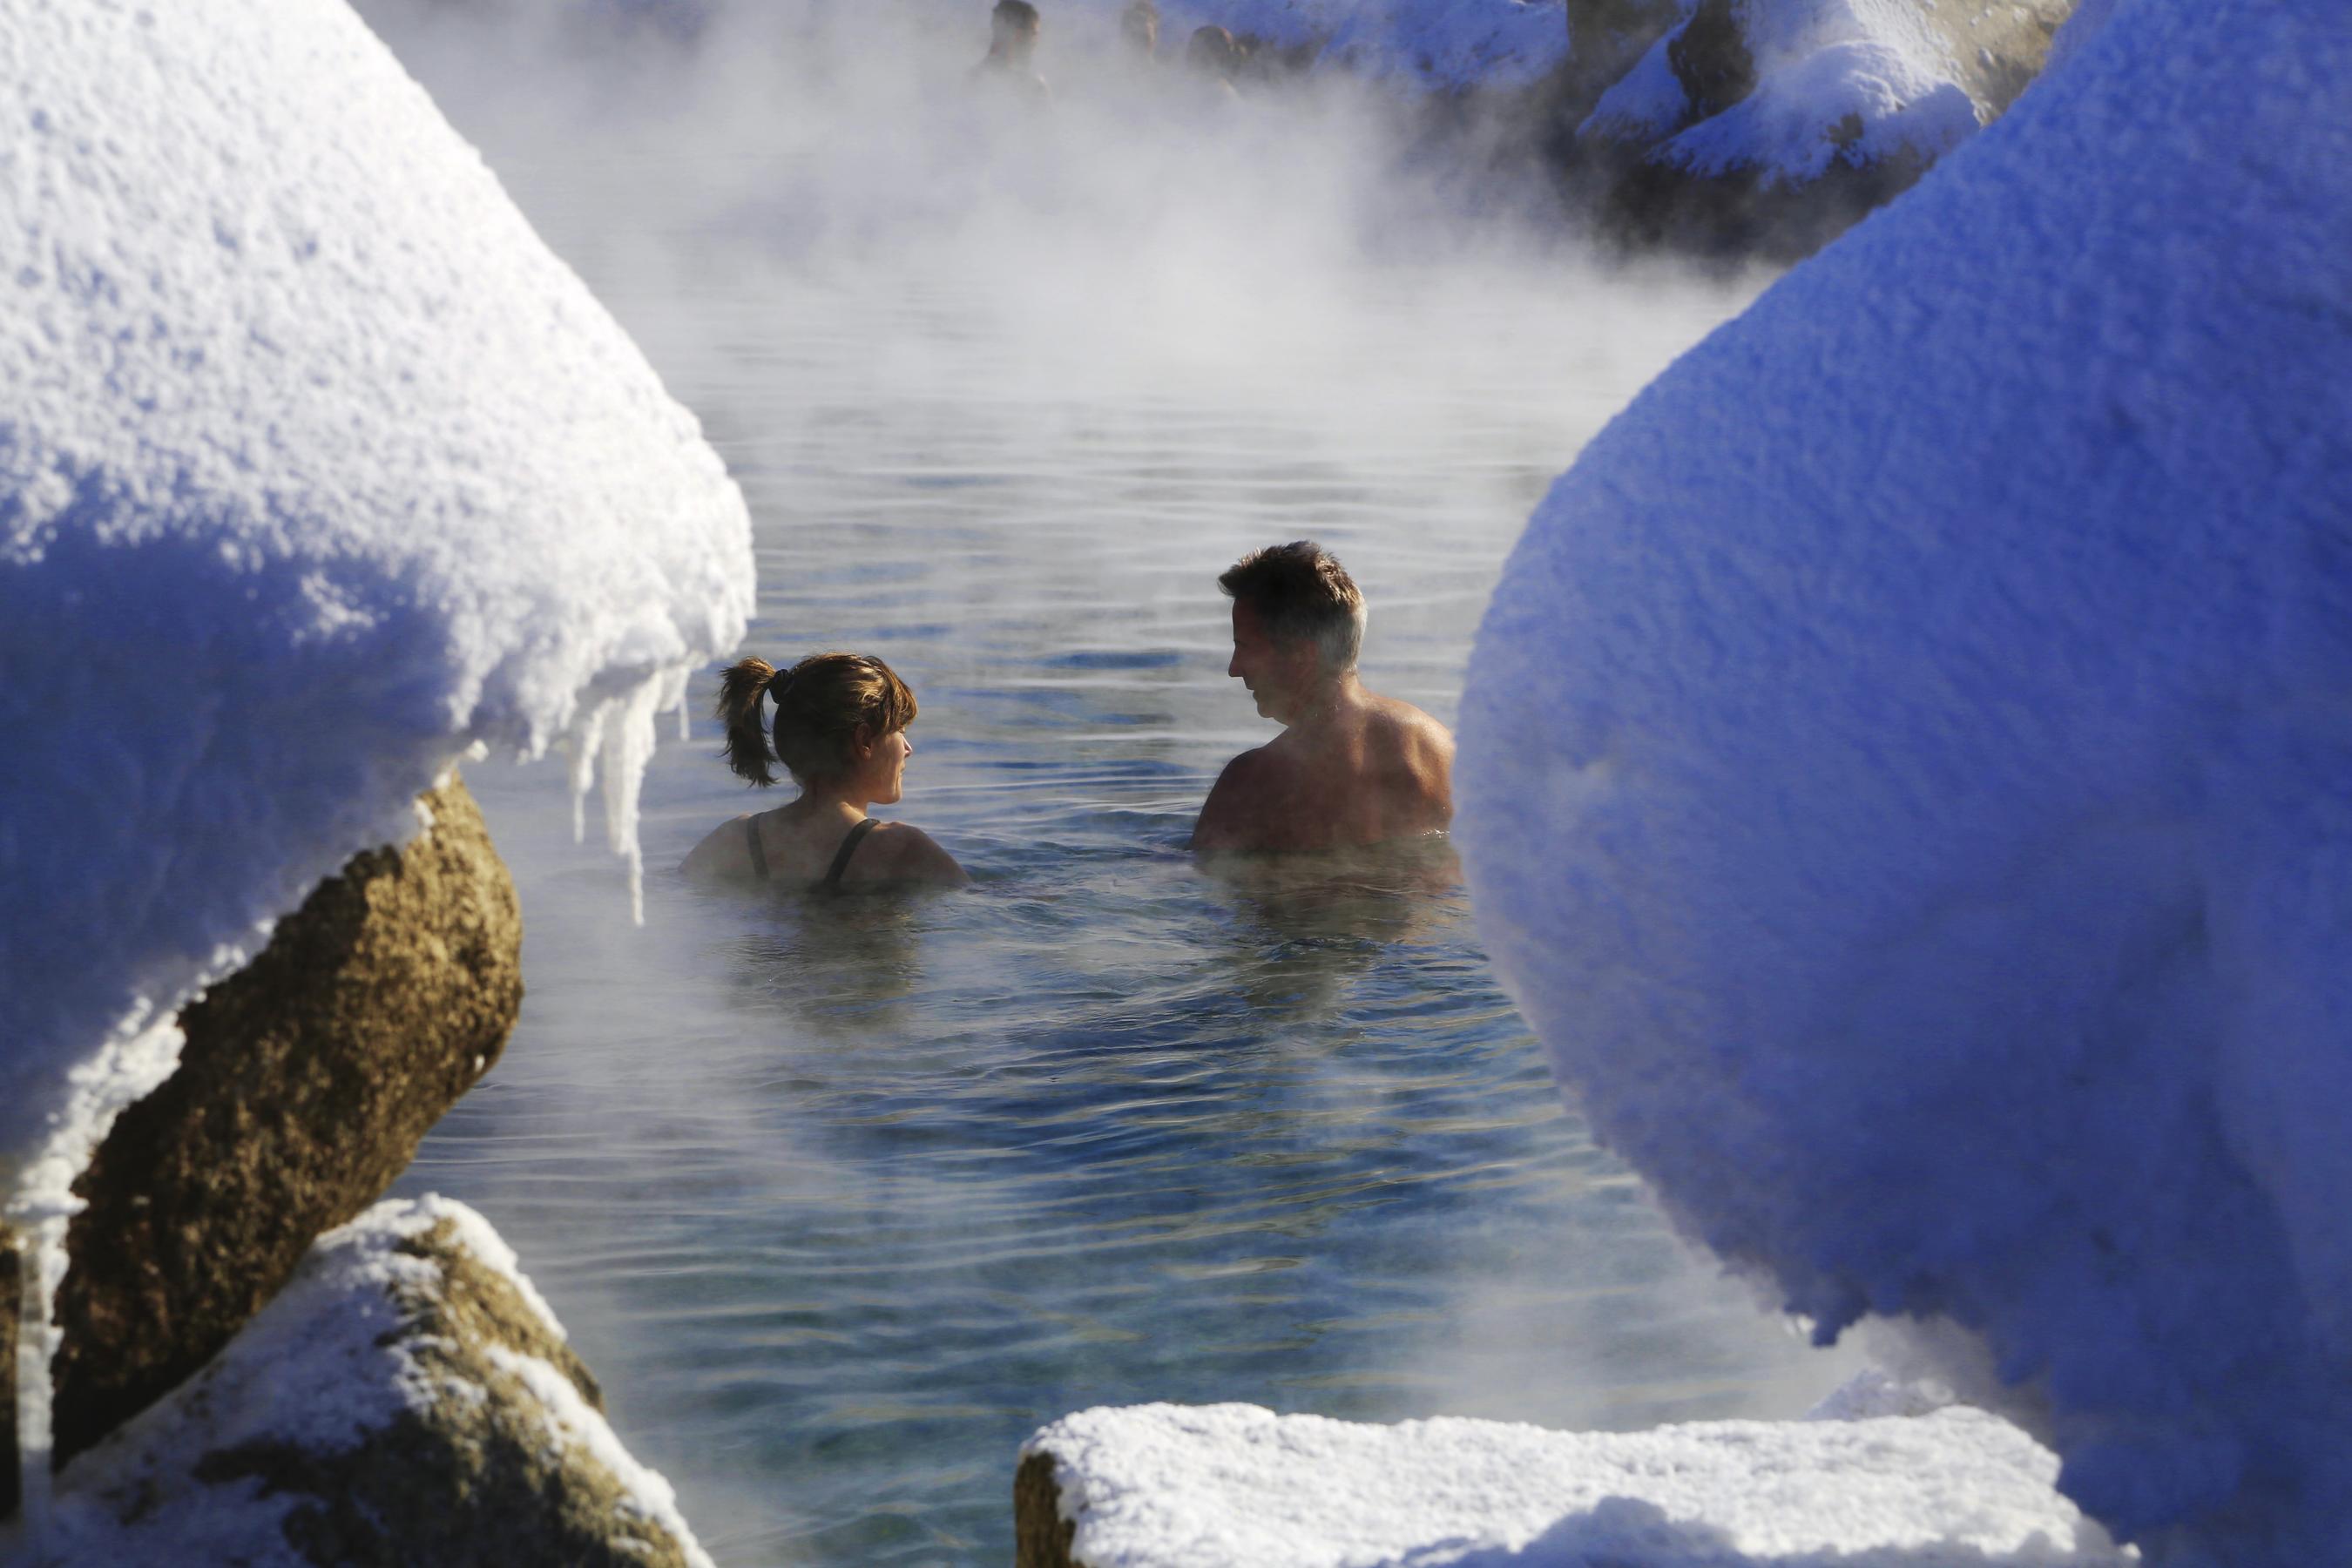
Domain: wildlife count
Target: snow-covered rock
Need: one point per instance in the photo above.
(1222, 1486)
(315, 469)
(1903, 774)
(408, 1398)
(307, 1081)
(1778, 122)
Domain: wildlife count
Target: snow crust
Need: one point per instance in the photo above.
(1157, 1486)
(1648, 102)
(316, 467)
(1904, 775)
(1861, 80)
(329, 1361)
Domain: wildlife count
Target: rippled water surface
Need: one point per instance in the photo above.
(841, 1199)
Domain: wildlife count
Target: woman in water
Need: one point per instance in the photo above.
(841, 733)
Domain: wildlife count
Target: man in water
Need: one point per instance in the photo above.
(1350, 767)
(1013, 30)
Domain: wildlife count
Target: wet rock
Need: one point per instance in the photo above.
(1040, 1536)
(307, 1082)
(444, 1420)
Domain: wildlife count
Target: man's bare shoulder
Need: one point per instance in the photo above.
(1233, 814)
(1406, 723)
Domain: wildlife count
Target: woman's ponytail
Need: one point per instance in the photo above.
(821, 704)
(739, 709)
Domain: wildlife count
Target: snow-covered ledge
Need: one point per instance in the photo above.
(317, 468)
(1222, 1486)
(441, 1418)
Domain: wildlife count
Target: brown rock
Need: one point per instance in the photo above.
(308, 1080)
(1040, 1536)
(478, 1481)
(439, 1418)
(11, 1287)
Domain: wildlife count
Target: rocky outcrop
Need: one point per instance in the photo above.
(1749, 128)
(306, 1083)
(245, 1378)
(444, 1420)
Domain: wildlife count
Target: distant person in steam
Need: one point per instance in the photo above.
(1139, 26)
(1351, 767)
(1211, 58)
(840, 731)
(1010, 61)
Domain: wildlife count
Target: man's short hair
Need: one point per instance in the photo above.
(1300, 590)
(1017, 15)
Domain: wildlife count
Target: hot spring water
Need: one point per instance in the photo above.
(841, 1199)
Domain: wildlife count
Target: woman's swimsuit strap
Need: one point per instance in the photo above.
(840, 857)
(758, 856)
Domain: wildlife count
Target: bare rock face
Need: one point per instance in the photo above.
(442, 1420)
(308, 1080)
(1040, 1536)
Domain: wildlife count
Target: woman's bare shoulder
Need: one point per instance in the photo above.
(902, 852)
(722, 853)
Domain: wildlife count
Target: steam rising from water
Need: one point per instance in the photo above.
(1146, 226)
(839, 1215)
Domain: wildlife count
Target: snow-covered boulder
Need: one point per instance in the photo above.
(316, 466)
(1234, 1485)
(317, 469)
(1761, 120)
(1904, 775)
(408, 1398)
(306, 1083)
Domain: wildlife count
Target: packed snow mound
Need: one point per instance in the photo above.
(1903, 774)
(1165, 1486)
(315, 469)
(395, 1332)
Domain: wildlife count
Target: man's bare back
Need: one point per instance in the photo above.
(1379, 770)
(1351, 767)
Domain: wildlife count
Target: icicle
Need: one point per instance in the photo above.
(617, 736)
(628, 747)
(674, 686)
(580, 743)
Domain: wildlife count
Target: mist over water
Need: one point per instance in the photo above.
(841, 1200)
